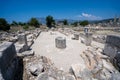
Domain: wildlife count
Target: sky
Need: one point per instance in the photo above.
(23, 10)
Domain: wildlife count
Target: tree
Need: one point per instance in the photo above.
(65, 22)
(50, 21)
(4, 24)
(84, 23)
(34, 22)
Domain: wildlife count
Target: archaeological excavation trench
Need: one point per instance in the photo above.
(62, 54)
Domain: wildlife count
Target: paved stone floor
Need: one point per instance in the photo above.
(63, 58)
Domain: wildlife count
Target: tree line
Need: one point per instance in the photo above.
(50, 22)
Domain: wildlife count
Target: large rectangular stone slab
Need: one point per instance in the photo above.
(7, 53)
(114, 40)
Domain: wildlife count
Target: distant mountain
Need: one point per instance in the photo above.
(41, 20)
(105, 20)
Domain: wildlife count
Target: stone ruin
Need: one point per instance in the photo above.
(60, 42)
(12, 52)
(97, 66)
(86, 38)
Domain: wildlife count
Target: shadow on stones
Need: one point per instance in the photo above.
(20, 69)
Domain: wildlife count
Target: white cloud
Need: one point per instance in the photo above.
(89, 16)
(86, 15)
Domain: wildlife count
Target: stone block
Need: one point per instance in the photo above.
(110, 50)
(22, 39)
(60, 42)
(7, 53)
(76, 36)
(114, 40)
(88, 39)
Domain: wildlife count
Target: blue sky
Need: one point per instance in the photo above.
(23, 10)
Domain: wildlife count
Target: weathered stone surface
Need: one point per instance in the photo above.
(8, 63)
(98, 65)
(110, 50)
(114, 40)
(60, 42)
(88, 39)
(22, 39)
(44, 76)
(26, 53)
(36, 69)
(7, 53)
(115, 76)
(77, 69)
(20, 47)
(69, 77)
(76, 36)
(99, 38)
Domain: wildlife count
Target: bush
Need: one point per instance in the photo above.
(26, 27)
(84, 23)
(4, 25)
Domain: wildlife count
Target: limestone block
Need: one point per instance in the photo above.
(7, 63)
(110, 50)
(114, 40)
(88, 39)
(76, 36)
(60, 42)
(44, 76)
(7, 53)
(22, 39)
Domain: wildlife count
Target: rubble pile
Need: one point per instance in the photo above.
(66, 31)
(41, 68)
(99, 38)
(98, 66)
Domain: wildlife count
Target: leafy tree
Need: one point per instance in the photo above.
(50, 21)
(84, 23)
(65, 22)
(4, 24)
(34, 22)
